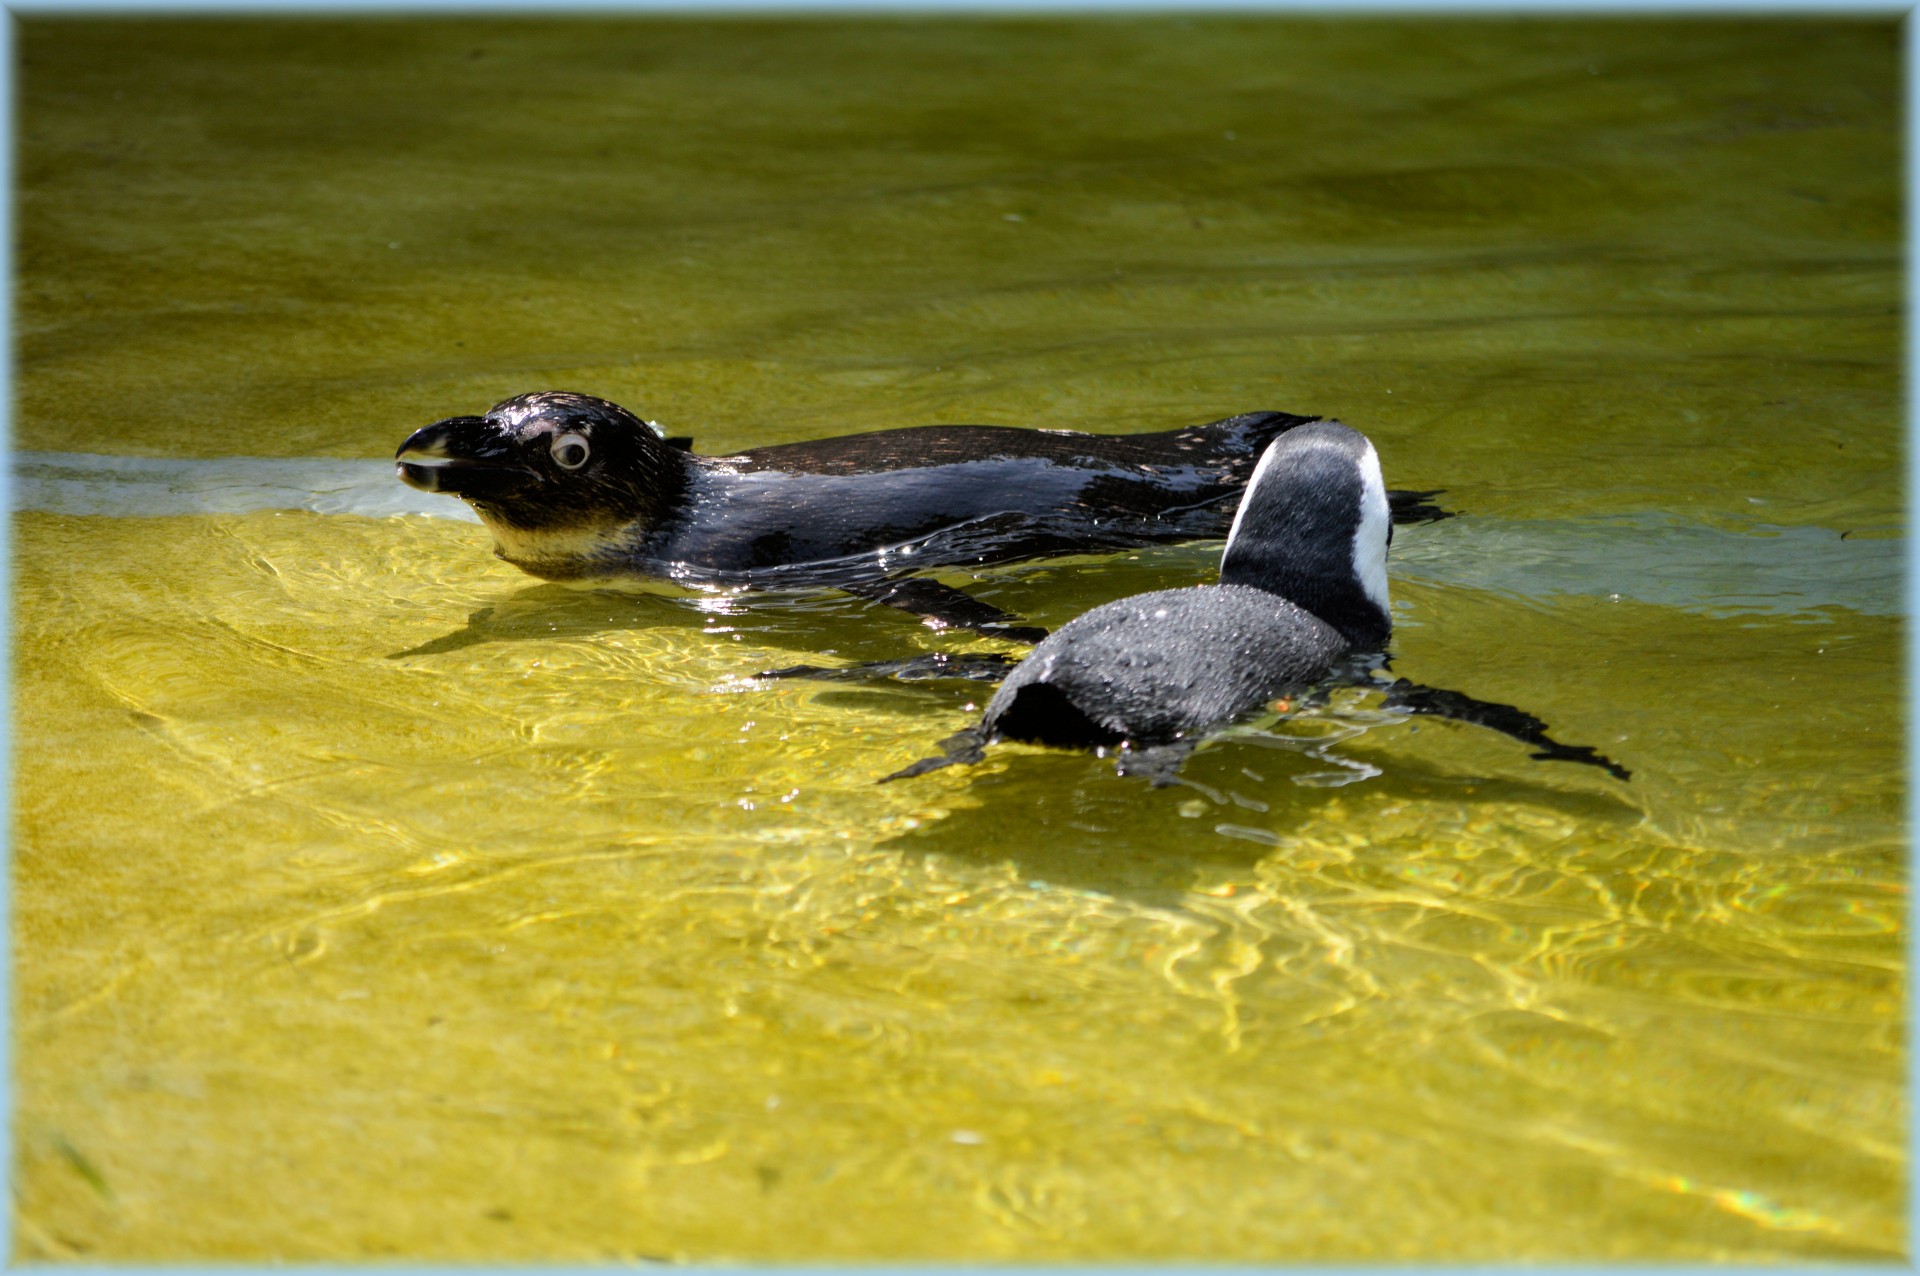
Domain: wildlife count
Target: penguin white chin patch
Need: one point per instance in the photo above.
(520, 545)
(1370, 537)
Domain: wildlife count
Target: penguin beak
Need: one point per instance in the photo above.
(462, 456)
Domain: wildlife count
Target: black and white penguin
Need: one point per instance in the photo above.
(1303, 583)
(575, 486)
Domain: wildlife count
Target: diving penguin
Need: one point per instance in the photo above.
(1303, 585)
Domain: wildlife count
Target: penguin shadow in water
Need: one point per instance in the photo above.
(1300, 608)
(1057, 827)
(556, 613)
(545, 613)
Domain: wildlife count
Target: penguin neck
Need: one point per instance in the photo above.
(1343, 603)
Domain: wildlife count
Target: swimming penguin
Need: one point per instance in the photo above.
(575, 486)
(1303, 583)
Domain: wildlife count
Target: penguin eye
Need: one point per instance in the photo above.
(569, 451)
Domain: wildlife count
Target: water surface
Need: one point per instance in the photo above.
(371, 898)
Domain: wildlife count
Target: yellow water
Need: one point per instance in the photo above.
(372, 899)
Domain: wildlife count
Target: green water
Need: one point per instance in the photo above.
(370, 898)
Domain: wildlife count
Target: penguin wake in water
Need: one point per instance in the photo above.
(573, 486)
(1303, 587)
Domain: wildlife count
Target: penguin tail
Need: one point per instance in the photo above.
(1247, 435)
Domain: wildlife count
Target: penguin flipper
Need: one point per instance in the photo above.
(963, 747)
(944, 607)
(1158, 764)
(1504, 718)
(979, 666)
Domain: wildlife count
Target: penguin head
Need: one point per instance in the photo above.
(1313, 527)
(555, 476)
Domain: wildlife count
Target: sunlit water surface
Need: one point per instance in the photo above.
(371, 898)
